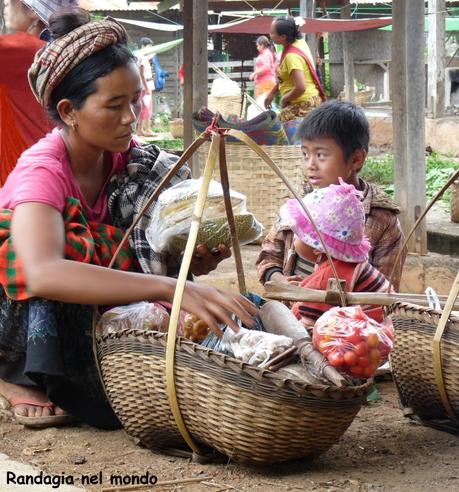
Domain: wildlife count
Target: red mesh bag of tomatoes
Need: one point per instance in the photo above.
(352, 342)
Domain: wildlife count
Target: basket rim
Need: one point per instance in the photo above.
(257, 373)
(423, 313)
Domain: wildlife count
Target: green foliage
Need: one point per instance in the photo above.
(439, 169)
(172, 144)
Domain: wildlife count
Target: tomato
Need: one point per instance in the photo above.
(369, 371)
(372, 340)
(350, 358)
(375, 356)
(335, 359)
(354, 337)
(363, 361)
(356, 371)
(361, 349)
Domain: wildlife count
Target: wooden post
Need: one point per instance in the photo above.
(436, 60)
(408, 115)
(2, 17)
(308, 9)
(195, 65)
(348, 56)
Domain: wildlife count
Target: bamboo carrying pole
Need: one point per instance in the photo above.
(293, 293)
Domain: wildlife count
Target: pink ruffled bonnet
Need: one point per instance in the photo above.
(339, 215)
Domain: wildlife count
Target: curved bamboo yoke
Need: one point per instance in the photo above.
(217, 150)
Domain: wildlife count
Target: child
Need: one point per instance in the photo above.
(339, 215)
(335, 139)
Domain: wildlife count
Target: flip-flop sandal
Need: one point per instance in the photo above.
(39, 422)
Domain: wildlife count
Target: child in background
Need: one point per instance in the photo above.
(340, 217)
(335, 138)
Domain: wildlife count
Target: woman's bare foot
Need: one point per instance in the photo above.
(41, 406)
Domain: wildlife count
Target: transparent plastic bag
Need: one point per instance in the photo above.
(171, 218)
(352, 342)
(138, 316)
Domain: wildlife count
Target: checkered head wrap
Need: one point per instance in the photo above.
(45, 8)
(57, 59)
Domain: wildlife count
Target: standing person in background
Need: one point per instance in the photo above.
(148, 86)
(299, 85)
(265, 74)
(22, 120)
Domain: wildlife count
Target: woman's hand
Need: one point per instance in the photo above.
(284, 102)
(205, 261)
(252, 76)
(215, 307)
(269, 100)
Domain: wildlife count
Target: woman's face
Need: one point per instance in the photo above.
(277, 39)
(18, 17)
(108, 117)
(260, 47)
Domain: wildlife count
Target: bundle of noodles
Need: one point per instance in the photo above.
(173, 212)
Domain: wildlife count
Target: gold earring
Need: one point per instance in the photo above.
(73, 125)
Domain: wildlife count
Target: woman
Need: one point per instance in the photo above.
(265, 74)
(148, 86)
(53, 255)
(23, 122)
(298, 82)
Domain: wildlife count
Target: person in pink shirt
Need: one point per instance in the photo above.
(89, 83)
(265, 73)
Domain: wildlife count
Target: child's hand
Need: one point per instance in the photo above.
(294, 280)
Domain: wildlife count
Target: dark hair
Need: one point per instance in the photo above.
(287, 27)
(342, 121)
(80, 82)
(145, 42)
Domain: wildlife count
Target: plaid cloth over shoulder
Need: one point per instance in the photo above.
(129, 189)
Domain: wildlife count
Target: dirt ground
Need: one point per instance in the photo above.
(381, 450)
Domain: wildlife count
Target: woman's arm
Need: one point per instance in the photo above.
(270, 97)
(38, 236)
(298, 90)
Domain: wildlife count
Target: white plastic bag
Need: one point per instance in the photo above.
(255, 347)
(222, 87)
(171, 218)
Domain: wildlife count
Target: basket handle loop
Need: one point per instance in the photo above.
(258, 150)
(179, 290)
(415, 226)
(229, 214)
(438, 368)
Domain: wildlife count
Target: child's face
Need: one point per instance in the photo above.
(324, 163)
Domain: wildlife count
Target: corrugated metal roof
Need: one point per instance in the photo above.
(116, 5)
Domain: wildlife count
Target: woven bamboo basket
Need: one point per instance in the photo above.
(176, 127)
(226, 105)
(425, 358)
(413, 364)
(246, 413)
(455, 202)
(360, 97)
(249, 175)
(170, 393)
